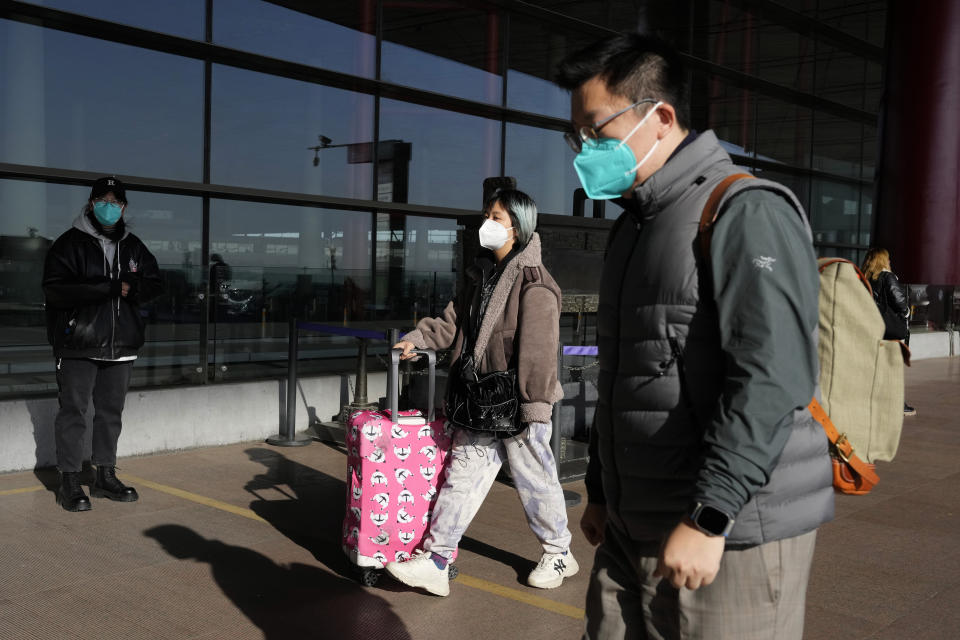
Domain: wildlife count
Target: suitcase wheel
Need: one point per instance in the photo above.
(453, 572)
(369, 577)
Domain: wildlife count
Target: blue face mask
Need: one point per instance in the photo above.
(607, 167)
(107, 212)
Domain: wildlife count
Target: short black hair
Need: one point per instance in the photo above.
(634, 66)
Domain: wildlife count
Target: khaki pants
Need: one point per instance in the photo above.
(759, 594)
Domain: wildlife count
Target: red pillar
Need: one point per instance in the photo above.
(917, 203)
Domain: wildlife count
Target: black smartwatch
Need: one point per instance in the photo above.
(710, 520)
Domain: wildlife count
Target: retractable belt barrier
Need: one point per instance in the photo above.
(288, 436)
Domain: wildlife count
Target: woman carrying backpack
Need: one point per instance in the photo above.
(890, 299)
(505, 325)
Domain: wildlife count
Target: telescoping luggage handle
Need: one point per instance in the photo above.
(393, 391)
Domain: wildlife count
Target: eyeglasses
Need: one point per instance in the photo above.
(102, 201)
(590, 134)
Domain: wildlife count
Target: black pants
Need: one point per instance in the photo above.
(78, 379)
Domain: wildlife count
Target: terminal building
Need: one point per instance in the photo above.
(326, 161)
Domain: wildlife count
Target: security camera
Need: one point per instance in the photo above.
(324, 141)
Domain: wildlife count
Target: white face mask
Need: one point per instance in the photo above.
(493, 235)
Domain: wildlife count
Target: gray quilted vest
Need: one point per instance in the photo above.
(661, 369)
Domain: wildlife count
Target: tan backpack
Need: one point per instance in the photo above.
(861, 374)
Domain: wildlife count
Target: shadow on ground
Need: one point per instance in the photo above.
(307, 506)
(286, 601)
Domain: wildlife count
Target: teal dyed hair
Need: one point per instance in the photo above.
(522, 210)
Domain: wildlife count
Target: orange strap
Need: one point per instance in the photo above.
(842, 446)
(860, 275)
(712, 209)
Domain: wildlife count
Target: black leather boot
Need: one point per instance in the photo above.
(108, 486)
(71, 496)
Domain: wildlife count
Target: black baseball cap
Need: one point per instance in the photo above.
(108, 184)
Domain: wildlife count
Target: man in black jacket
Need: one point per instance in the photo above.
(95, 277)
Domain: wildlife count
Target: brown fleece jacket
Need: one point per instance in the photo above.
(523, 314)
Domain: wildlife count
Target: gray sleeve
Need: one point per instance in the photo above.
(766, 287)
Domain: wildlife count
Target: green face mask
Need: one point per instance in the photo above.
(107, 212)
(606, 167)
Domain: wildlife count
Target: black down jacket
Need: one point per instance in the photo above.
(87, 317)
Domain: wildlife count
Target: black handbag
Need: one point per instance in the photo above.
(896, 325)
(487, 403)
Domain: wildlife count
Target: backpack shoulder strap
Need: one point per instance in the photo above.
(823, 264)
(711, 211)
(842, 448)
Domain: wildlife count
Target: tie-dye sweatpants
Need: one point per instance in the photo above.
(476, 460)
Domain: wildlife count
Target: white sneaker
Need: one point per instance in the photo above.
(420, 571)
(552, 569)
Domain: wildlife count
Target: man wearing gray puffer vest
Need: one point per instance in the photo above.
(707, 477)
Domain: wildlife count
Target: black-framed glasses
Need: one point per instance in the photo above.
(589, 134)
(102, 201)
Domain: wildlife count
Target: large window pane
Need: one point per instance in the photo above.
(536, 48)
(862, 19)
(171, 227)
(783, 132)
(168, 225)
(834, 209)
(730, 112)
(337, 36)
(417, 266)
(276, 133)
(840, 76)
(784, 56)
(866, 214)
(837, 145)
(178, 17)
(455, 51)
(799, 185)
(271, 262)
(450, 155)
(87, 104)
(542, 163)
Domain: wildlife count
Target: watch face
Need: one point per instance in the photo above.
(713, 520)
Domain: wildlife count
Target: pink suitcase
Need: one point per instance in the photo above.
(394, 468)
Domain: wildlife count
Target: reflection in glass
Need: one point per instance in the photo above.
(275, 133)
(799, 185)
(542, 163)
(535, 50)
(840, 76)
(784, 56)
(337, 36)
(417, 265)
(866, 214)
(837, 145)
(272, 262)
(834, 208)
(450, 154)
(730, 113)
(783, 132)
(455, 51)
(59, 109)
(177, 17)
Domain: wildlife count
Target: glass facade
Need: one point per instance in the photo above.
(325, 161)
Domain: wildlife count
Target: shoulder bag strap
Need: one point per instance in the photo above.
(842, 447)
